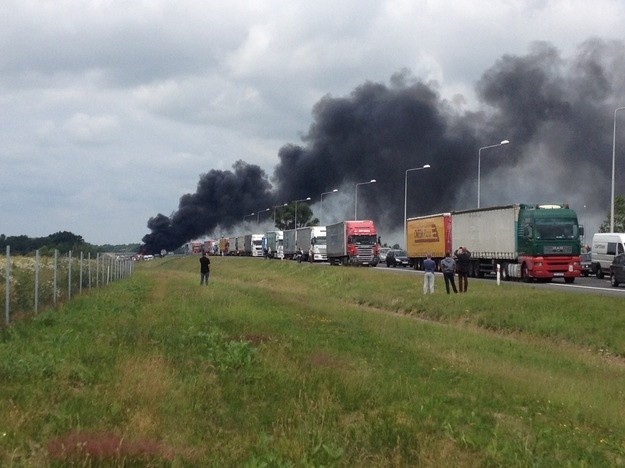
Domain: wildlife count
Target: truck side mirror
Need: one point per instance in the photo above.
(379, 240)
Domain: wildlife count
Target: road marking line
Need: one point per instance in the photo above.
(616, 290)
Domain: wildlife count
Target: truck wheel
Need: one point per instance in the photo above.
(569, 280)
(525, 277)
(599, 272)
(613, 281)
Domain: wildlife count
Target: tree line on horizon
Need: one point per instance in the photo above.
(62, 241)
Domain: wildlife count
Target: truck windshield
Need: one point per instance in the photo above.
(362, 240)
(552, 229)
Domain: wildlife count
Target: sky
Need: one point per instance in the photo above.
(114, 112)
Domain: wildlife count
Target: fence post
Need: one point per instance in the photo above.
(7, 288)
(36, 281)
(69, 275)
(89, 268)
(80, 274)
(56, 265)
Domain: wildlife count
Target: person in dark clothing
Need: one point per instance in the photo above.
(463, 265)
(204, 269)
(448, 265)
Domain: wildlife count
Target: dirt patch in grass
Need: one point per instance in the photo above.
(85, 447)
(254, 339)
(324, 360)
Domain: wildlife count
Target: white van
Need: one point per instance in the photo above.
(605, 246)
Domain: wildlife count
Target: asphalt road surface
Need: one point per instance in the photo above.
(582, 284)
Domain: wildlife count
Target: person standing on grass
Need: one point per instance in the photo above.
(463, 260)
(204, 269)
(448, 265)
(429, 266)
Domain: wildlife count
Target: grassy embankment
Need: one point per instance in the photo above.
(278, 364)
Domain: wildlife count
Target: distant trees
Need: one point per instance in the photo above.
(285, 216)
(619, 216)
(63, 241)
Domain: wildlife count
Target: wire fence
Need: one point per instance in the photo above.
(32, 283)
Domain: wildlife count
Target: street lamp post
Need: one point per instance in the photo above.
(326, 193)
(295, 223)
(425, 166)
(258, 214)
(479, 158)
(372, 181)
(251, 214)
(613, 170)
(274, 212)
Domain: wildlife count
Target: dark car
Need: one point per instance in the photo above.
(395, 258)
(617, 270)
(585, 264)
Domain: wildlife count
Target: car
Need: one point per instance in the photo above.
(605, 246)
(617, 270)
(383, 252)
(586, 263)
(396, 257)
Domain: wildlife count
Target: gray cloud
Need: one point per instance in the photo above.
(122, 105)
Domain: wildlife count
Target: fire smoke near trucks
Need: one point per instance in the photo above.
(556, 112)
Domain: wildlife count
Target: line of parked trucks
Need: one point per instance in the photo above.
(518, 241)
(347, 243)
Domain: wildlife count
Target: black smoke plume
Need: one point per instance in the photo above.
(222, 198)
(556, 112)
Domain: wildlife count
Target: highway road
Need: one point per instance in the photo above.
(582, 284)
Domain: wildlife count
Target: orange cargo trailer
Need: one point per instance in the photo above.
(428, 235)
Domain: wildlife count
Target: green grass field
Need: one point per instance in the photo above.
(285, 364)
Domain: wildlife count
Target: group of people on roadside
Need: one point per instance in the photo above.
(460, 263)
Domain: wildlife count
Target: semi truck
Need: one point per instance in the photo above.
(253, 245)
(232, 245)
(240, 244)
(275, 244)
(352, 243)
(224, 245)
(525, 242)
(289, 245)
(311, 240)
(428, 235)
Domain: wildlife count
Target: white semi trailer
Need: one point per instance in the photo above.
(290, 247)
(312, 242)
